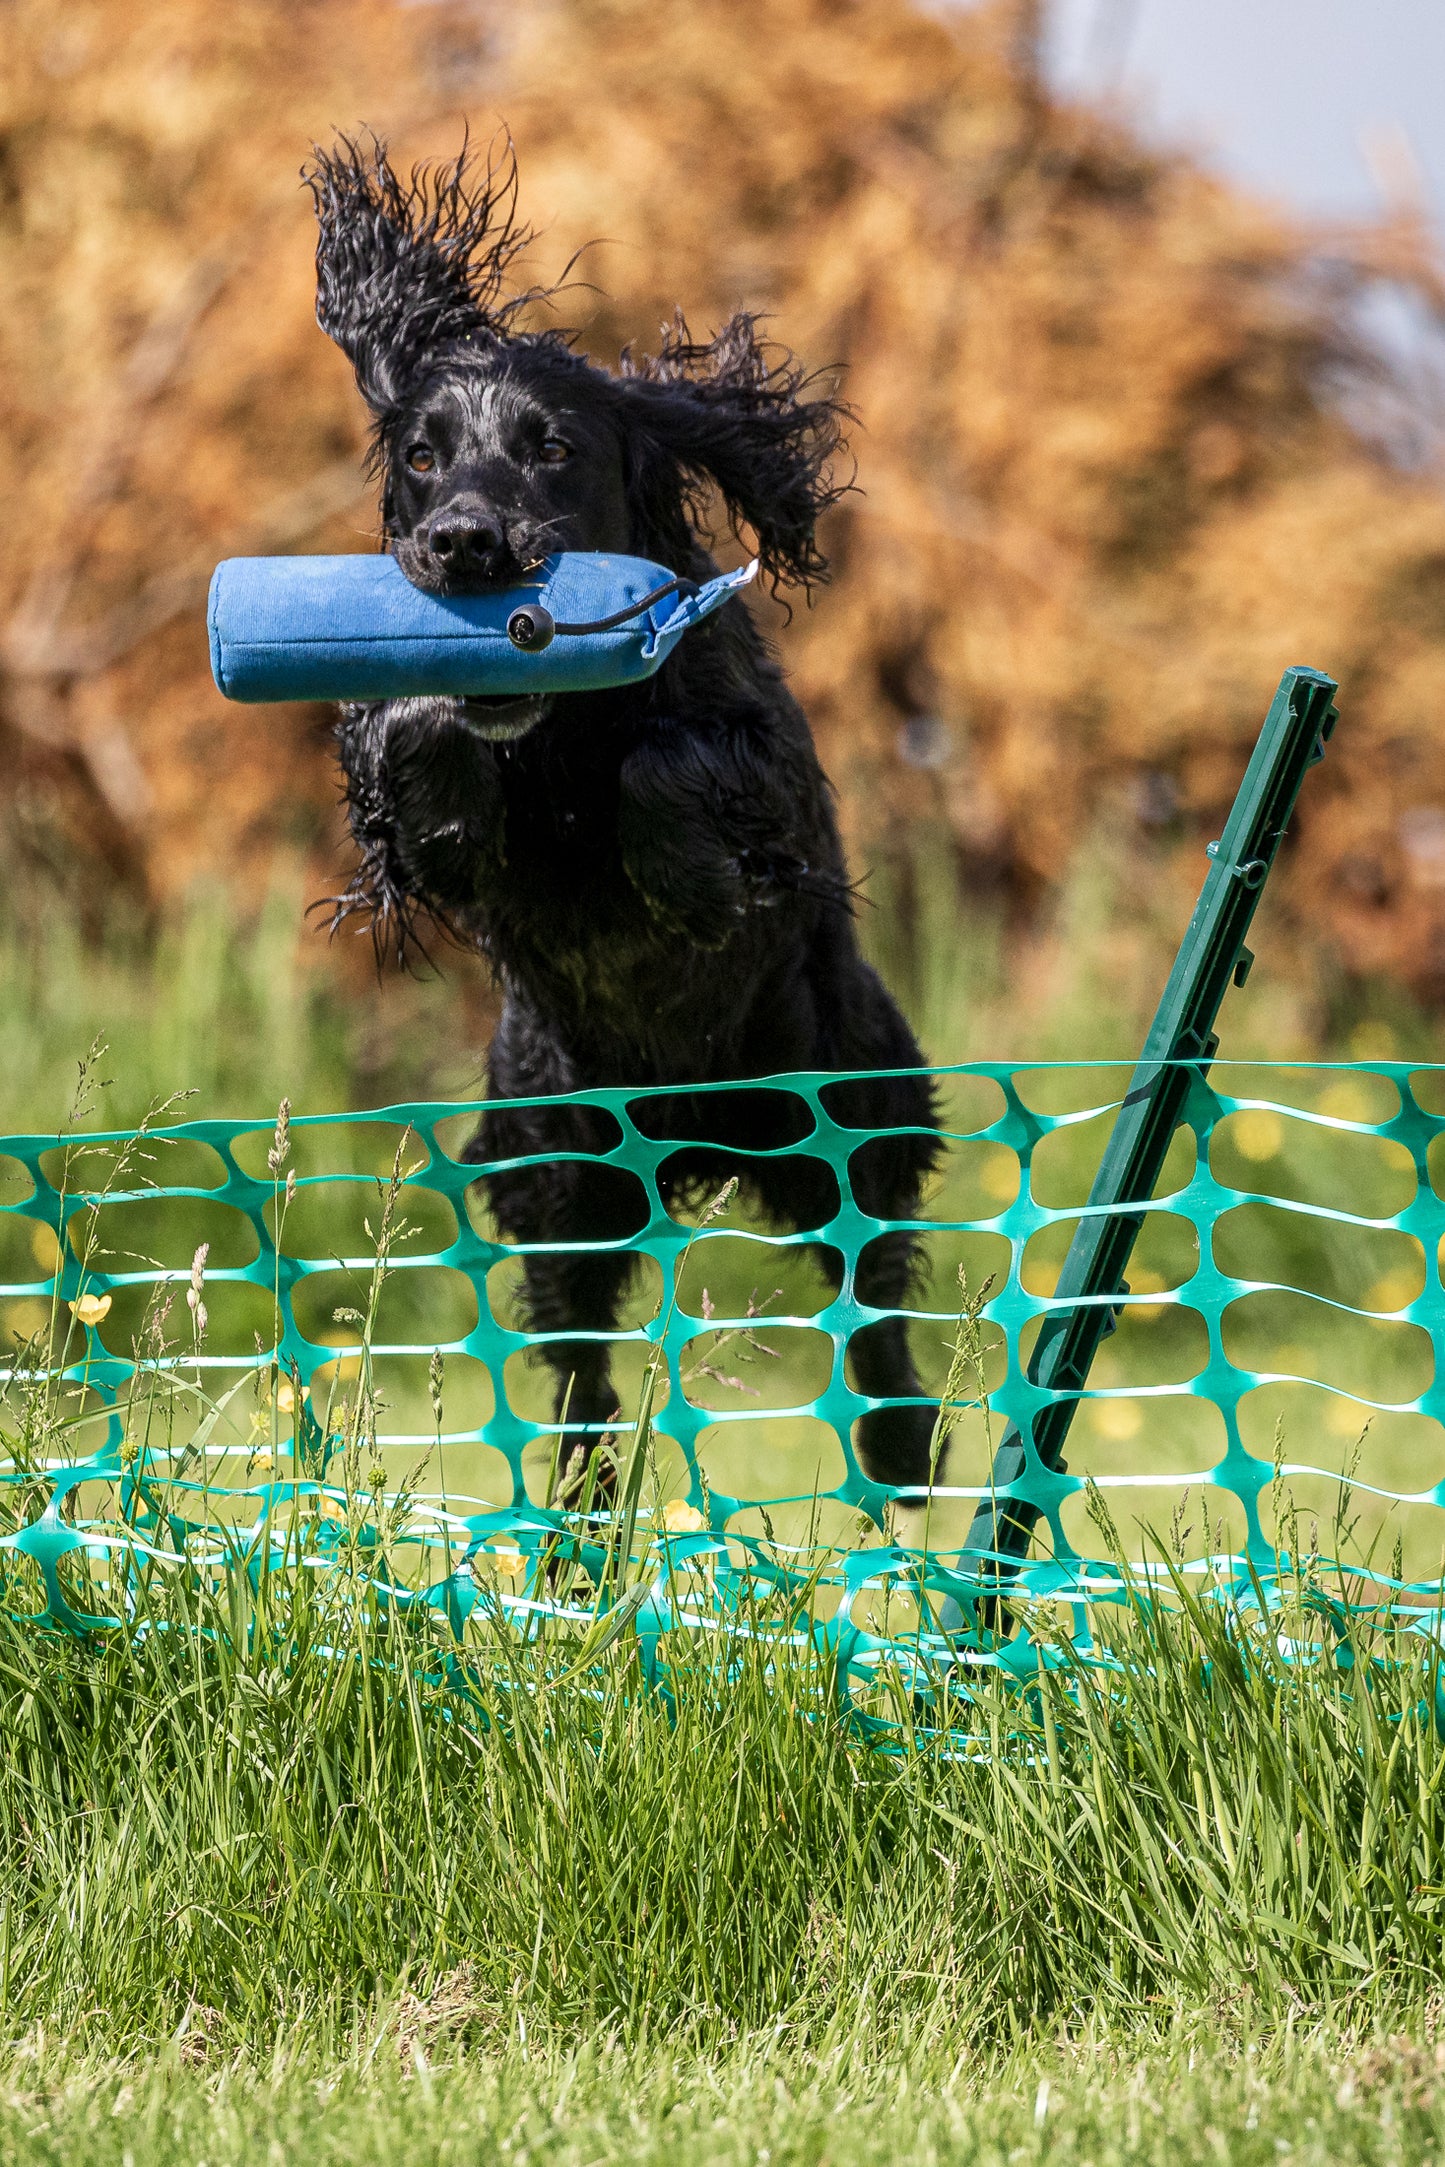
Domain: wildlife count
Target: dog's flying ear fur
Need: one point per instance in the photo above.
(729, 412)
(405, 270)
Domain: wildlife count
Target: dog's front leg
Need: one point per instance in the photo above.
(693, 811)
(425, 801)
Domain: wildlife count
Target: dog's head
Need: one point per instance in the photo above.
(498, 446)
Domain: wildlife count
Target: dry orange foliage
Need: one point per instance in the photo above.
(1112, 468)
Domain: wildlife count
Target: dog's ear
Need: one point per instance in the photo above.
(729, 413)
(406, 269)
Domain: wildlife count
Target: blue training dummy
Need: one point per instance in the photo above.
(354, 628)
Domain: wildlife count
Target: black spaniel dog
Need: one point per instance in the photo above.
(653, 872)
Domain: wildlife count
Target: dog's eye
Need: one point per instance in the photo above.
(421, 459)
(555, 451)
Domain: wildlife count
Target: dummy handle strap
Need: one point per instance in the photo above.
(533, 627)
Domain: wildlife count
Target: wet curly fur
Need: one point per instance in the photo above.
(653, 872)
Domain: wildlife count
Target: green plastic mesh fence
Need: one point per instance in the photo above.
(1283, 1330)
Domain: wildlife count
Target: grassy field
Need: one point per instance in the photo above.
(237, 1001)
(232, 1006)
(265, 1885)
(1315, 2100)
(270, 1890)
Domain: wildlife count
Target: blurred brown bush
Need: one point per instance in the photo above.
(1117, 443)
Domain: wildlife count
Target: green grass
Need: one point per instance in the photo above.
(237, 999)
(230, 1003)
(263, 1881)
(269, 1892)
(1315, 2101)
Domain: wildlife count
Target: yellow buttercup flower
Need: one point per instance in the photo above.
(1258, 1133)
(1118, 1420)
(1351, 1098)
(1395, 1289)
(999, 1174)
(90, 1308)
(680, 1518)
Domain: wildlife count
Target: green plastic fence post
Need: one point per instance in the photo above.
(1211, 957)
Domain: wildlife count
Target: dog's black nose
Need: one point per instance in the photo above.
(466, 542)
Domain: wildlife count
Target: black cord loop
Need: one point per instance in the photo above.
(533, 627)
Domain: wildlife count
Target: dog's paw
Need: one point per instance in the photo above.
(705, 912)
